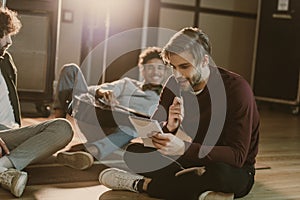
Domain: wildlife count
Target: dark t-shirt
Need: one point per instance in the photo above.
(222, 120)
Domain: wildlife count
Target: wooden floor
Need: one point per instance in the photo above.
(279, 149)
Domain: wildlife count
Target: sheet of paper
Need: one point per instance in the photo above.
(145, 128)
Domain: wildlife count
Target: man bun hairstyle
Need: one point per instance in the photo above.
(190, 39)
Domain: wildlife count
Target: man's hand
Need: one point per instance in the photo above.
(176, 114)
(168, 144)
(108, 96)
(3, 147)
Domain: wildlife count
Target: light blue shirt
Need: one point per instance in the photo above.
(6, 110)
(129, 93)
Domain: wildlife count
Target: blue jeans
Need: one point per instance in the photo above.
(116, 140)
(72, 82)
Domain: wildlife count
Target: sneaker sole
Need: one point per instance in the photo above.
(76, 160)
(115, 187)
(101, 175)
(20, 185)
(209, 195)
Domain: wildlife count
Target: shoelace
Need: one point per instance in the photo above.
(126, 182)
(5, 179)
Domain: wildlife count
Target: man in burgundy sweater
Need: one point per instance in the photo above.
(217, 110)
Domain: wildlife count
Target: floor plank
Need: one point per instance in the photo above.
(278, 151)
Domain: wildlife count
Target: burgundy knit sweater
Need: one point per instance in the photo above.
(223, 119)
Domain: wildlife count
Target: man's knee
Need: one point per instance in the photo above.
(220, 173)
(69, 69)
(64, 128)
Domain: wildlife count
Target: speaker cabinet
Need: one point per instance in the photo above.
(34, 49)
(276, 60)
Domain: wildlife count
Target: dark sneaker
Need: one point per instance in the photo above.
(210, 195)
(117, 179)
(77, 160)
(14, 181)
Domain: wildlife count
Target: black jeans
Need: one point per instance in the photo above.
(219, 177)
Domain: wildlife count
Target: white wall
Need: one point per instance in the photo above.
(232, 37)
(70, 35)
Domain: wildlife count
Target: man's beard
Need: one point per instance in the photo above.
(201, 76)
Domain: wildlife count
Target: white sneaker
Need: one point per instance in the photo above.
(210, 195)
(117, 179)
(14, 181)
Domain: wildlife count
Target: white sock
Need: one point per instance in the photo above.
(2, 169)
(5, 163)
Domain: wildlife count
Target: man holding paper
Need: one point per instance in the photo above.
(217, 109)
